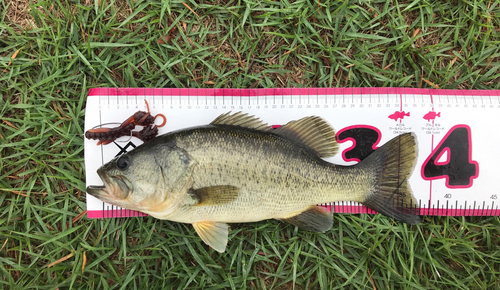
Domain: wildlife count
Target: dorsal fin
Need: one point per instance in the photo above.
(313, 132)
(240, 119)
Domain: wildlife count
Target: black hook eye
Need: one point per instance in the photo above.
(122, 163)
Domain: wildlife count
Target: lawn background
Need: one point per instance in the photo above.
(52, 52)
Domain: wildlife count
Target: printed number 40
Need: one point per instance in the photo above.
(458, 169)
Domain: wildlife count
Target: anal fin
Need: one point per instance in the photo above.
(214, 234)
(314, 219)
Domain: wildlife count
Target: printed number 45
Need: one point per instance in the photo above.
(458, 169)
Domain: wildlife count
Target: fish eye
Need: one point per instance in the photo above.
(123, 163)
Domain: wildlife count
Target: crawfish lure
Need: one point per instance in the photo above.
(140, 118)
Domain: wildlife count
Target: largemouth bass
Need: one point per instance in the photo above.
(238, 169)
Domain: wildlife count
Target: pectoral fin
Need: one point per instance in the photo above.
(213, 234)
(215, 195)
(314, 219)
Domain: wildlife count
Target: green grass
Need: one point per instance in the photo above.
(77, 45)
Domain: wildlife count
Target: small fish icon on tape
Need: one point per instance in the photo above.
(432, 115)
(399, 115)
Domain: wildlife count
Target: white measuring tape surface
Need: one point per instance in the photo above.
(457, 167)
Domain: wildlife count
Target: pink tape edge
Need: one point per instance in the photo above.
(92, 214)
(422, 211)
(350, 209)
(283, 91)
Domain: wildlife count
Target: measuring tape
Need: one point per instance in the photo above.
(456, 171)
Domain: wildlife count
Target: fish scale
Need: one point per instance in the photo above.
(290, 183)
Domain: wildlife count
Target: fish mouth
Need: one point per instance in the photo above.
(115, 188)
(96, 190)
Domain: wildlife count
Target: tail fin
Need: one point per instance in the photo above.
(392, 165)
